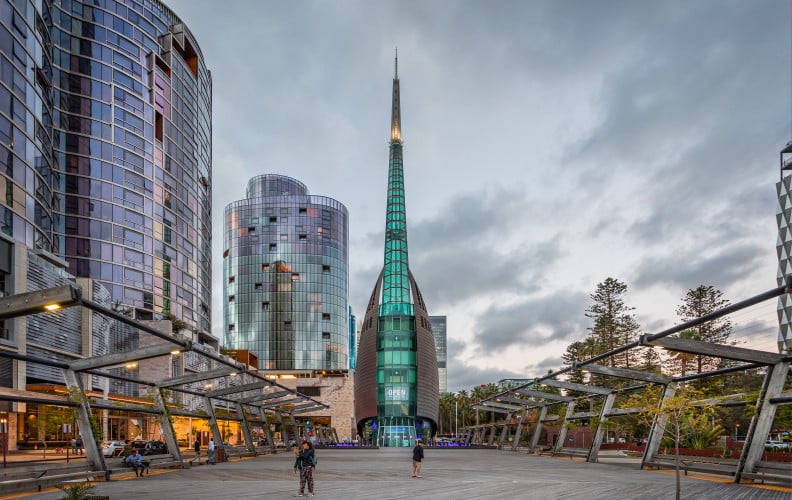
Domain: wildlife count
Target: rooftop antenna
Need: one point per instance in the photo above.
(396, 65)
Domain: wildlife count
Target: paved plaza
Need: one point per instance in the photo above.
(448, 474)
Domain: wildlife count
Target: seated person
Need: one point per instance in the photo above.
(137, 462)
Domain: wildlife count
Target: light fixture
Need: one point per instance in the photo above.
(175, 352)
(131, 366)
(49, 299)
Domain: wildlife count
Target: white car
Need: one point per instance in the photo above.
(112, 448)
(777, 445)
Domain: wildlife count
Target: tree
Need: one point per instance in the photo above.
(697, 303)
(683, 360)
(687, 424)
(614, 323)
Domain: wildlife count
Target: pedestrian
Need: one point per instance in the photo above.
(210, 448)
(74, 445)
(197, 447)
(418, 455)
(305, 462)
(79, 445)
(136, 461)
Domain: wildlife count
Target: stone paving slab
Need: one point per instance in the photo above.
(447, 474)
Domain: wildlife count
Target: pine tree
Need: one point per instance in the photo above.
(699, 302)
(614, 323)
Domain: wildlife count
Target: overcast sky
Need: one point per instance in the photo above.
(548, 145)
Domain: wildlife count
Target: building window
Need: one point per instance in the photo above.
(251, 229)
(231, 298)
(265, 306)
(258, 286)
(303, 211)
(231, 279)
(326, 316)
(273, 247)
(225, 254)
(295, 276)
(265, 267)
(325, 335)
(325, 269)
(303, 237)
(230, 328)
(273, 219)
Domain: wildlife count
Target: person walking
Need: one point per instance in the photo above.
(197, 447)
(305, 462)
(211, 451)
(418, 455)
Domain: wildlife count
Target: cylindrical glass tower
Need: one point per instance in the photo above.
(285, 276)
(132, 139)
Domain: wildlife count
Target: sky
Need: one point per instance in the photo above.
(548, 145)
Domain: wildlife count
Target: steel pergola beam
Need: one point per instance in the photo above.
(263, 396)
(50, 299)
(239, 388)
(572, 386)
(717, 350)
(626, 373)
(543, 395)
(118, 358)
(195, 377)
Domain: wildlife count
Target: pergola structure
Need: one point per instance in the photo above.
(531, 395)
(239, 390)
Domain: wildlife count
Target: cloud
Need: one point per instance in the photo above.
(687, 270)
(532, 321)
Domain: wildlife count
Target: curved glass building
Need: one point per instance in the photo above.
(105, 122)
(396, 385)
(285, 275)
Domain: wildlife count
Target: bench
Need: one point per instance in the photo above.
(44, 478)
(775, 472)
(116, 466)
(704, 465)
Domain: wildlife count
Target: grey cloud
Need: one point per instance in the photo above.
(686, 270)
(532, 321)
(464, 376)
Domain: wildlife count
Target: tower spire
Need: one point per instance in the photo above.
(396, 137)
(396, 283)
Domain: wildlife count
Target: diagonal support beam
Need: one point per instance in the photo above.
(562, 432)
(307, 407)
(626, 373)
(717, 350)
(593, 454)
(195, 377)
(657, 430)
(118, 358)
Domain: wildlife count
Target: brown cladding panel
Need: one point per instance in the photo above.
(366, 372)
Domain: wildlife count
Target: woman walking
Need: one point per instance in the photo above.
(305, 462)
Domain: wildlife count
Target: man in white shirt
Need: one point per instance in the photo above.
(211, 449)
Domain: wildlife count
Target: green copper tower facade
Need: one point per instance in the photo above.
(397, 367)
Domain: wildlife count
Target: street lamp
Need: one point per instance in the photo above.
(736, 431)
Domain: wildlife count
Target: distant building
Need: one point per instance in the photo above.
(285, 276)
(396, 386)
(352, 340)
(784, 248)
(439, 332)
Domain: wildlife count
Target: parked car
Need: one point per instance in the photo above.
(154, 448)
(112, 448)
(778, 445)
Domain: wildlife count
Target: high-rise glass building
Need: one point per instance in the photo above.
(285, 275)
(352, 339)
(396, 385)
(440, 334)
(105, 122)
(784, 248)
